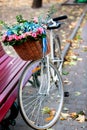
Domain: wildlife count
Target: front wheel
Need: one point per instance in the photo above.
(40, 95)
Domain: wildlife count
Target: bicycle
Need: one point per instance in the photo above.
(41, 93)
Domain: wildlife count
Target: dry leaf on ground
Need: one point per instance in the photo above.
(73, 115)
(81, 118)
(66, 81)
(64, 116)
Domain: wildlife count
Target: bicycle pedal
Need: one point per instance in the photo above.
(66, 94)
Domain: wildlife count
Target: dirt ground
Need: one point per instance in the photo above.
(9, 9)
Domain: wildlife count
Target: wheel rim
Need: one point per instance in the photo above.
(34, 104)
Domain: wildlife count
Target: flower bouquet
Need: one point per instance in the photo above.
(28, 38)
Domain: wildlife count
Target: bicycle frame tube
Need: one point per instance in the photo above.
(47, 87)
(52, 51)
(41, 85)
(51, 43)
(48, 72)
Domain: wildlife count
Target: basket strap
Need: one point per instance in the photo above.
(44, 44)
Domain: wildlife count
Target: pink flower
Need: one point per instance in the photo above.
(40, 30)
(23, 35)
(34, 35)
(4, 37)
(29, 33)
(10, 38)
(20, 37)
(15, 37)
(35, 19)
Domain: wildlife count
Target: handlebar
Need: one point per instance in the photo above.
(54, 23)
(60, 18)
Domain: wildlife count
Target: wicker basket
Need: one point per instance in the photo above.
(31, 50)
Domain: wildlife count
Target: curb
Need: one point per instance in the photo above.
(72, 2)
(74, 33)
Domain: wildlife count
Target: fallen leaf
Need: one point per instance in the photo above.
(80, 59)
(71, 17)
(64, 72)
(49, 118)
(81, 113)
(77, 93)
(81, 118)
(69, 41)
(35, 69)
(72, 63)
(64, 116)
(66, 63)
(74, 57)
(66, 81)
(52, 112)
(84, 48)
(46, 110)
(65, 109)
(73, 115)
(50, 129)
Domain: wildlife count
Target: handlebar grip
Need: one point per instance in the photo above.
(60, 18)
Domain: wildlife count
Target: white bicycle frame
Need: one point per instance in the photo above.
(52, 55)
(53, 60)
(48, 77)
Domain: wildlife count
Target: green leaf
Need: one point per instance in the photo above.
(4, 24)
(77, 93)
(64, 72)
(72, 63)
(20, 19)
(81, 113)
(15, 31)
(65, 109)
(46, 110)
(78, 37)
(1, 22)
(74, 57)
(44, 35)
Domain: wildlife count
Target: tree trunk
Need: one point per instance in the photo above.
(37, 4)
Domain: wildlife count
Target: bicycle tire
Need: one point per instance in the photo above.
(57, 52)
(32, 102)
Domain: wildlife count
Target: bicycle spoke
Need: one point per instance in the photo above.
(34, 99)
(27, 97)
(37, 115)
(32, 112)
(31, 103)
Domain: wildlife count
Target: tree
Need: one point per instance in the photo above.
(37, 4)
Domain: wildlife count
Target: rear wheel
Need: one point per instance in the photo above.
(58, 61)
(40, 105)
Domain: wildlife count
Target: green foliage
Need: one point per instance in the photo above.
(51, 11)
(20, 19)
(25, 30)
(2, 23)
